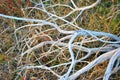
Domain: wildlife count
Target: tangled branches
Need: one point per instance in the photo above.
(62, 41)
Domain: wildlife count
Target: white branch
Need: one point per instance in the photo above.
(111, 64)
(98, 60)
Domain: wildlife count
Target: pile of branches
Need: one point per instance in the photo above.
(55, 43)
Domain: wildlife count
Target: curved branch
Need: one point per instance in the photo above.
(98, 60)
(111, 64)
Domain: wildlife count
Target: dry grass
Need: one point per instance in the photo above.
(104, 17)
